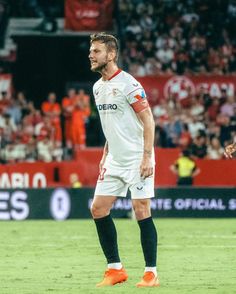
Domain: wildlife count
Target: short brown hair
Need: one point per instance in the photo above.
(109, 40)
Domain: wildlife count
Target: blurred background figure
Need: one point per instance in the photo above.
(214, 149)
(185, 168)
(68, 105)
(74, 181)
(52, 110)
(80, 115)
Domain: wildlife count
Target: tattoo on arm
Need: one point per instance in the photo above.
(148, 152)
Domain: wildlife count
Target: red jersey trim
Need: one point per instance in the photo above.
(134, 91)
(140, 105)
(115, 74)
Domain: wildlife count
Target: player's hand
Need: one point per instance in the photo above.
(146, 167)
(101, 164)
(229, 150)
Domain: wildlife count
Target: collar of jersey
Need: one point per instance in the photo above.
(115, 74)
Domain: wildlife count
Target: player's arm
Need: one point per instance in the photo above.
(195, 171)
(229, 150)
(104, 155)
(174, 168)
(146, 117)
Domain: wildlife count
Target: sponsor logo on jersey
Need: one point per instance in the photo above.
(135, 85)
(107, 106)
(140, 188)
(140, 97)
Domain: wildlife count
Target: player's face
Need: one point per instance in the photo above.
(98, 56)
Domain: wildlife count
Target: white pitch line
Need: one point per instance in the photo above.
(211, 236)
(197, 246)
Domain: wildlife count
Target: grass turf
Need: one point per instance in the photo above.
(194, 256)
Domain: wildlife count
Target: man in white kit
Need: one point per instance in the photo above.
(127, 161)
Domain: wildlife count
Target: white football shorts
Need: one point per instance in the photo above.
(116, 182)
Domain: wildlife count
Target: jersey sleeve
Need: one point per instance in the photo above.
(136, 96)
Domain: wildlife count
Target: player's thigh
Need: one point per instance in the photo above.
(110, 183)
(141, 188)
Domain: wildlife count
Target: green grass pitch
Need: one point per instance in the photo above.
(194, 256)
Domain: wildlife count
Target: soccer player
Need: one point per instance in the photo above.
(127, 161)
(229, 150)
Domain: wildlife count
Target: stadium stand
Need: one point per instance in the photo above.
(178, 36)
(157, 38)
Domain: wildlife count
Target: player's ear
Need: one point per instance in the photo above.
(111, 55)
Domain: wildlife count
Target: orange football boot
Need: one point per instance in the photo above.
(149, 280)
(112, 277)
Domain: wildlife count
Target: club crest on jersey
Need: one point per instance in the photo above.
(114, 92)
(140, 97)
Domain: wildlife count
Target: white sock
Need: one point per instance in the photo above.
(115, 265)
(151, 269)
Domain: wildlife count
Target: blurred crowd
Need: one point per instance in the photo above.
(157, 37)
(178, 36)
(203, 124)
(46, 134)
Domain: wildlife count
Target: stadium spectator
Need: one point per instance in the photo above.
(225, 129)
(31, 151)
(68, 103)
(80, 115)
(228, 106)
(4, 102)
(213, 109)
(173, 129)
(45, 149)
(199, 147)
(52, 110)
(22, 103)
(185, 138)
(14, 110)
(9, 129)
(214, 149)
(195, 125)
(196, 108)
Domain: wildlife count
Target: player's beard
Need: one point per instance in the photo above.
(100, 67)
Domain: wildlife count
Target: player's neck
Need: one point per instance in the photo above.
(109, 71)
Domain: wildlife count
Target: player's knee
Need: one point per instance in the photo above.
(95, 210)
(98, 211)
(141, 210)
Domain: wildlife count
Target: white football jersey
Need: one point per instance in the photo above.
(117, 100)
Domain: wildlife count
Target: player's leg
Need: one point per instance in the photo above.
(106, 230)
(141, 192)
(107, 235)
(108, 184)
(148, 233)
